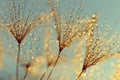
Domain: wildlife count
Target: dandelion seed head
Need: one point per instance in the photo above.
(69, 25)
(20, 19)
(99, 47)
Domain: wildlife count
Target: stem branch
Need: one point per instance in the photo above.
(78, 78)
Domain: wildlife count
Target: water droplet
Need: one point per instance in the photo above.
(94, 16)
(84, 32)
(97, 39)
(107, 29)
(91, 40)
(93, 21)
(35, 39)
(113, 43)
(55, 26)
(31, 35)
(33, 57)
(118, 46)
(102, 26)
(92, 29)
(72, 20)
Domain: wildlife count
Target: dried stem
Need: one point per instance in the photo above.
(44, 74)
(25, 76)
(52, 67)
(60, 50)
(26, 70)
(17, 66)
(78, 78)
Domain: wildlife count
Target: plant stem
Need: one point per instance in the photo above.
(17, 65)
(54, 64)
(78, 78)
(44, 74)
(26, 71)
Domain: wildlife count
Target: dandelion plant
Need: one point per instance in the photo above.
(21, 17)
(99, 47)
(68, 26)
(68, 44)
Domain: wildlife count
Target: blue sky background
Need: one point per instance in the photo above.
(107, 10)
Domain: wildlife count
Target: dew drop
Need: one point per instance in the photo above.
(55, 26)
(72, 20)
(94, 16)
(118, 46)
(33, 57)
(31, 35)
(107, 29)
(84, 32)
(102, 26)
(35, 39)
